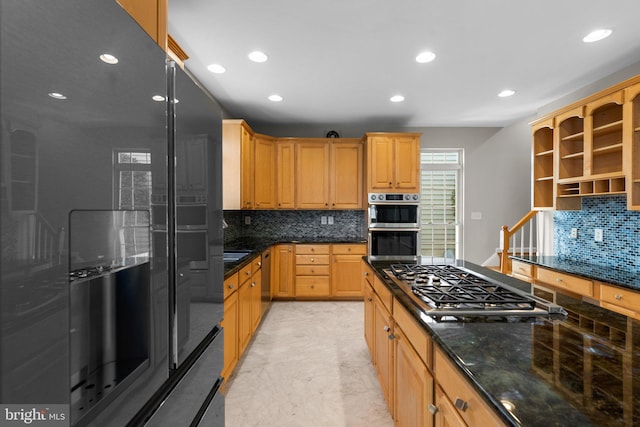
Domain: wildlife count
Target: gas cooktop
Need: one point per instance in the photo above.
(447, 290)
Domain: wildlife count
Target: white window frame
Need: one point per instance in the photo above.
(459, 167)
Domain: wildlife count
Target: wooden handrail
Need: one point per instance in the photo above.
(505, 235)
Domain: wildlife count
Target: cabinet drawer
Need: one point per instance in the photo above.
(231, 285)
(520, 268)
(418, 338)
(622, 300)
(565, 281)
(312, 270)
(312, 249)
(476, 412)
(312, 259)
(355, 249)
(312, 286)
(383, 292)
(245, 273)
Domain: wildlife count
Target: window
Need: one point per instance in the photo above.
(132, 182)
(440, 207)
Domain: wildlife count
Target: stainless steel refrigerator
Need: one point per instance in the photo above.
(110, 224)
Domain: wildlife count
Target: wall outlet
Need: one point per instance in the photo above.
(574, 233)
(247, 220)
(323, 220)
(598, 235)
(476, 215)
(330, 220)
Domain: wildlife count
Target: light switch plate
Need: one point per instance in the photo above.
(323, 220)
(598, 235)
(330, 220)
(476, 215)
(247, 220)
(574, 233)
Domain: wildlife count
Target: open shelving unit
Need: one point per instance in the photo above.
(632, 117)
(605, 121)
(543, 159)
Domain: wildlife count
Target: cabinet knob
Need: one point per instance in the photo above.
(253, 284)
(313, 286)
(559, 280)
(259, 264)
(313, 271)
(386, 329)
(248, 273)
(366, 274)
(369, 299)
(312, 260)
(618, 297)
(231, 286)
(391, 336)
(181, 274)
(461, 404)
(390, 184)
(432, 408)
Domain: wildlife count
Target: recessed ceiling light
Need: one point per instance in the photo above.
(597, 35)
(57, 95)
(425, 57)
(108, 58)
(216, 68)
(275, 98)
(257, 56)
(158, 98)
(397, 98)
(506, 92)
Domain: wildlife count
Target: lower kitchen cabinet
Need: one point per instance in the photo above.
(367, 289)
(468, 404)
(312, 271)
(230, 325)
(413, 385)
(446, 414)
(244, 314)
(383, 349)
(282, 271)
(345, 270)
(568, 282)
(624, 301)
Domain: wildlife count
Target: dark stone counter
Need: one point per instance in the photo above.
(612, 275)
(580, 371)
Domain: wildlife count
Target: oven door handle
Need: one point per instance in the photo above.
(395, 229)
(373, 214)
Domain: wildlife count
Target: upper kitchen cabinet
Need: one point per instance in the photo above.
(543, 157)
(285, 174)
(312, 175)
(329, 174)
(237, 165)
(632, 145)
(393, 162)
(151, 15)
(595, 150)
(347, 175)
(264, 184)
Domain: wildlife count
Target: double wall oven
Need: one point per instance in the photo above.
(393, 221)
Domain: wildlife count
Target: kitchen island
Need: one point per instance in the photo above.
(580, 370)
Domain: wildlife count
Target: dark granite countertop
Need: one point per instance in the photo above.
(612, 275)
(257, 246)
(580, 371)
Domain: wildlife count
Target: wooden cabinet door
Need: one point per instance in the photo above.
(230, 325)
(286, 177)
(264, 186)
(383, 347)
(244, 315)
(151, 15)
(380, 163)
(345, 270)
(247, 170)
(312, 174)
(407, 164)
(413, 386)
(368, 316)
(447, 415)
(256, 295)
(346, 175)
(282, 272)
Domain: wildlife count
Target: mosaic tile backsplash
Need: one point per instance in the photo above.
(620, 247)
(292, 225)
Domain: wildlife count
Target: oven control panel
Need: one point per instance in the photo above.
(394, 198)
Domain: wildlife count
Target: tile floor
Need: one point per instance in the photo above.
(308, 365)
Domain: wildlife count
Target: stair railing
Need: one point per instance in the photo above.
(526, 231)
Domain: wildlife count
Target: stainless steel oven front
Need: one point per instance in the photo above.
(394, 244)
(394, 210)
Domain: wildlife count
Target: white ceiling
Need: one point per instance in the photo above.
(339, 61)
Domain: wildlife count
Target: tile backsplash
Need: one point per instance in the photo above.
(620, 246)
(293, 225)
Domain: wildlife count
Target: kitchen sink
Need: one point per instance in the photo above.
(235, 256)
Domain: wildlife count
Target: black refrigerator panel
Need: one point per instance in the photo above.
(78, 134)
(199, 247)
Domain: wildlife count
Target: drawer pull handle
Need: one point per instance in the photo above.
(559, 280)
(432, 408)
(461, 404)
(618, 297)
(386, 329)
